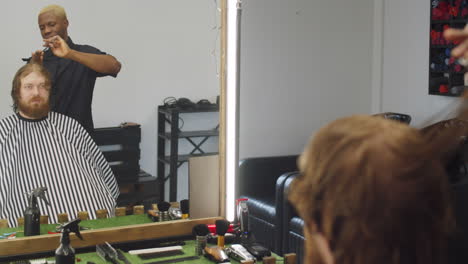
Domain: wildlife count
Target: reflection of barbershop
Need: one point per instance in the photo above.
(234, 131)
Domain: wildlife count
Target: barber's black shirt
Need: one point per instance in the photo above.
(73, 85)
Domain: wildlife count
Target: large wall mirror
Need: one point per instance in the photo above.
(167, 49)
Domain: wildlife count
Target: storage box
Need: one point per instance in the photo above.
(121, 148)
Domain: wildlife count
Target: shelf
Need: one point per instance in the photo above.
(170, 110)
(437, 46)
(185, 157)
(190, 134)
(450, 76)
(450, 21)
(448, 71)
(169, 135)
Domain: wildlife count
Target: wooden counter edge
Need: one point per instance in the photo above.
(44, 243)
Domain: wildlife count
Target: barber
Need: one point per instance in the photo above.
(73, 67)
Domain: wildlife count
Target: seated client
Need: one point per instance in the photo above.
(40, 148)
(373, 190)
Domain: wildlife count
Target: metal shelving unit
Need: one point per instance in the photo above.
(169, 133)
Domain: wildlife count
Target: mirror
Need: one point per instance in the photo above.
(167, 48)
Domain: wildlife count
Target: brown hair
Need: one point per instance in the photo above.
(20, 74)
(376, 191)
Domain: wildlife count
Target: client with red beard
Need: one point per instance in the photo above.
(40, 148)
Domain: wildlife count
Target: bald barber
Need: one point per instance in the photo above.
(74, 68)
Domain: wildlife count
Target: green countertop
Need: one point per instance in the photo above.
(92, 224)
(188, 249)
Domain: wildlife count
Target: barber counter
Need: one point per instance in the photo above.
(124, 233)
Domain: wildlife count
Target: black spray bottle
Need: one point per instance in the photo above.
(65, 254)
(32, 214)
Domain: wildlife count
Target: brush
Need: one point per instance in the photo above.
(163, 211)
(200, 231)
(184, 207)
(222, 227)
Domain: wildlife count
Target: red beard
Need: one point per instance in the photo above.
(33, 109)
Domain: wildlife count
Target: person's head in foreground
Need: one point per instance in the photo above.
(30, 91)
(371, 191)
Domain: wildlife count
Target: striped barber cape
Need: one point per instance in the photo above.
(54, 152)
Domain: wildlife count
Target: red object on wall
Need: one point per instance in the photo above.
(443, 88)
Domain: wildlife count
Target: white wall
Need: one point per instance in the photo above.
(303, 64)
(167, 48)
(406, 61)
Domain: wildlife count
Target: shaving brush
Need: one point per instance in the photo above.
(200, 231)
(164, 211)
(221, 228)
(184, 207)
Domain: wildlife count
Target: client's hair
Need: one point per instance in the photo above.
(377, 192)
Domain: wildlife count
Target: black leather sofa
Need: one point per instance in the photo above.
(261, 181)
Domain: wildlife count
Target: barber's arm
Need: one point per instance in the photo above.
(101, 63)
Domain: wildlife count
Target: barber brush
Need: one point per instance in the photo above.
(164, 211)
(221, 229)
(200, 231)
(184, 207)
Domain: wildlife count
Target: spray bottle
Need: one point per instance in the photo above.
(31, 213)
(65, 254)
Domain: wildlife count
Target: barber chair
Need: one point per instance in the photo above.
(261, 181)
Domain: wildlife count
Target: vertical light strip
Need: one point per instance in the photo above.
(232, 102)
(377, 56)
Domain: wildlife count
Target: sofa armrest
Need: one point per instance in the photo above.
(288, 211)
(281, 208)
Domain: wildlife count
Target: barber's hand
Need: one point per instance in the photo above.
(58, 46)
(452, 34)
(37, 56)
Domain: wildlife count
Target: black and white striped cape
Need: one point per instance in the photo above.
(54, 152)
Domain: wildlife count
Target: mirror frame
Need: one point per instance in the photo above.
(44, 243)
